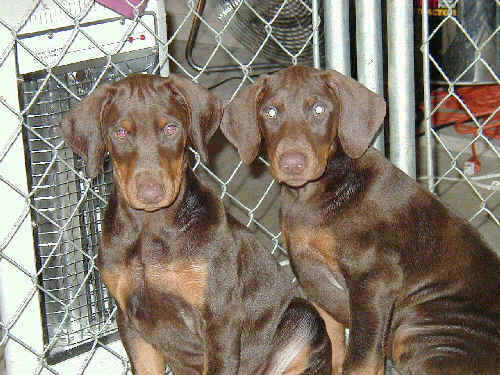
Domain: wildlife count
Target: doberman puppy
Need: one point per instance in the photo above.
(413, 282)
(194, 289)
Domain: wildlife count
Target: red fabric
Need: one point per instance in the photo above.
(481, 101)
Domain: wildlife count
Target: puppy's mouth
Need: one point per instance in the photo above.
(297, 182)
(148, 207)
(294, 182)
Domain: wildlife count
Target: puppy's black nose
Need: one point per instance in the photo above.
(149, 189)
(292, 163)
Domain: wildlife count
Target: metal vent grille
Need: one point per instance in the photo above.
(66, 213)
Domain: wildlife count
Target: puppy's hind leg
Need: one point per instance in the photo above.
(301, 343)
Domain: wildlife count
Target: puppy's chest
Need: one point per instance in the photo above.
(153, 277)
(306, 227)
(315, 229)
(183, 278)
(312, 242)
(309, 239)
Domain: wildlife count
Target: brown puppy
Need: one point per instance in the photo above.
(413, 282)
(194, 289)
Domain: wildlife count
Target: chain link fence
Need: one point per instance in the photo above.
(56, 316)
(460, 131)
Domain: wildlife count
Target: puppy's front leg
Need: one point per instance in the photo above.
(312, 259)
(144, 358)
(222, 344)
(370, 297)
(336, 332)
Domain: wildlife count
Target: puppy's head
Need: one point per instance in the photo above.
(303, 115)
(145, 123)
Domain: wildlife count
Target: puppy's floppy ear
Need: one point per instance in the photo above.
(240, 123)
(204, 108)
(81, 128)
(361, 113)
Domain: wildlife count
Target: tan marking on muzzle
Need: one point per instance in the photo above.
(314, 160)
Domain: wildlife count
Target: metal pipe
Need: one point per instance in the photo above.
(337, 38)
(162, 30)
(370, 61)
(401, 85)
(315, 24)
(427, 97)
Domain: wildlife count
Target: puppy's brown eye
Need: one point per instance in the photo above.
(121, 133)
(271, 112)
(170, 129)
(318, 109)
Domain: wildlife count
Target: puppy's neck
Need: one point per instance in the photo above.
(195, 204)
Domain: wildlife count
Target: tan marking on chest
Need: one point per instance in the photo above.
(300, 363)
(315, 244)
(147, 359)
(119, 284)
(336, 332)
(375, 367)
(400, 342)
(185, 279)
(321, 241)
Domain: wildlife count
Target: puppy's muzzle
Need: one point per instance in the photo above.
(149, 189)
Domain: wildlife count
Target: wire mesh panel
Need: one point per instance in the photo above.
(66, 212)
